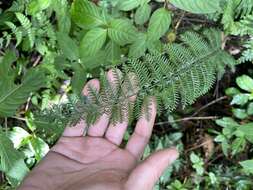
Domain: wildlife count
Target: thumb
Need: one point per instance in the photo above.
(145, 175)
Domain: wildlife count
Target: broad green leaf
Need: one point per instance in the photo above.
(12, 95)
(226, 122)
(250, 109)
(5, 65)
(90, 63)
(247, 129)
(39, 147)
(245, 82)
(138, 48)
(17, 135)
(12, 161)
(197, 6)
(240, 99)
(166, 175)
(238, 145)
(36, 6)
(232, 91)
(159, 24)
(61, 8)
(142, 2)
(155, 46)
(92, 42)
(239, 113)
(79, 78)
(247, 165)
(225, 147)
(86, 14)
(194, 158)
(213, 178)
(122, 31)
(68, 46)
(142, 14)
(113, 53)
(127, 5)
(220, 138)
(197, 163)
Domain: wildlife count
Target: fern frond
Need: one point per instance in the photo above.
(24, 21)
(235, 14)
(27, 27)
(244, 26)
(184, 72)
(16, 31)
(247, 54)
(244, 8)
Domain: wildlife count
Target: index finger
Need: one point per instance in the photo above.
(142, 132)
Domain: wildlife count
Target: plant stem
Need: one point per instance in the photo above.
(208, 105)
(188, 119)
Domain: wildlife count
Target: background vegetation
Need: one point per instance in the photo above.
(195, 56)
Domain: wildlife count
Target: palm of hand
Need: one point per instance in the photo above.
(96, 161)
(87, 161)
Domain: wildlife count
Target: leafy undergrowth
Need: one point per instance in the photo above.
(195, 56)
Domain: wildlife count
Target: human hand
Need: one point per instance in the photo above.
(96, 162)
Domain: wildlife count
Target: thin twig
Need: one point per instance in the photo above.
(18, 118)
(188, 119)
(216, 158)
(27, 103)
(36, 62)
(196, 20)
(209, 104)
(179, 21)
(196, 147)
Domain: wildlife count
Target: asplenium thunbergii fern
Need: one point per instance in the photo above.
(184, 72)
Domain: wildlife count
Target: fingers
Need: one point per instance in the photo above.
(142, 133)
(115, 132)
(79, 129)
(147, 173)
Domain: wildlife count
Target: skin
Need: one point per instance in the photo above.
(96, 162)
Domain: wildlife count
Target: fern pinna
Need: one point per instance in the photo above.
(185, 71)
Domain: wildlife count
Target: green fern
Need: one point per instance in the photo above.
(247, 54)
(235, 14)
(27, 28)
(16, 31)
(244, 8)
(237, 20)
(183, 73)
